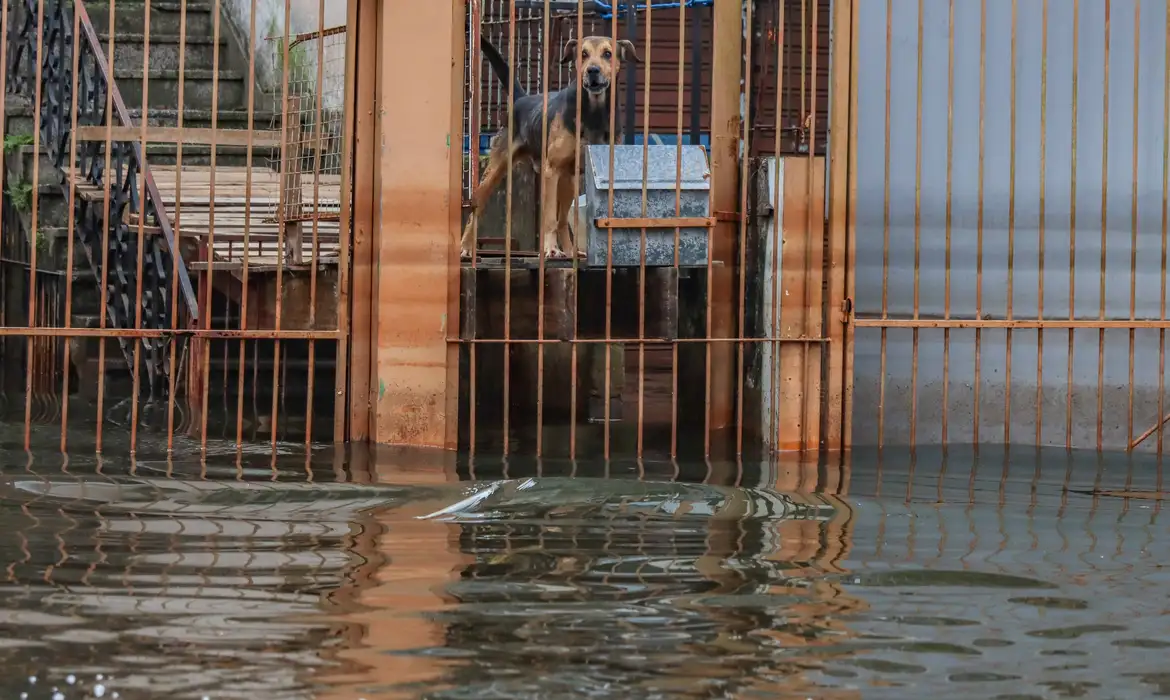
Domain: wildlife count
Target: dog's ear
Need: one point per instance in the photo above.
(570, 51)
(628, 52)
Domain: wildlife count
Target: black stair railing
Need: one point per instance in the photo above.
(44, 30)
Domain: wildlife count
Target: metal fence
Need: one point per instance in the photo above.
(1007, 188)
(195, 261)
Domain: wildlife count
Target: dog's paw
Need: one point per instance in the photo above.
(464, 254)
(554, 253)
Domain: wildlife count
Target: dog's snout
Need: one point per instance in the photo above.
(593, 70)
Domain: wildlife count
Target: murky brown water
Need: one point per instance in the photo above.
(397, 575)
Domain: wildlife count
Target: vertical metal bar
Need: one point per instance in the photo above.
(946, 379)
(696, 74)
(642, 242)
(576, 259)
(1137, 33)
(609, 250)
(139, 268)
(631, 76)
(476, 86)
(742, 213)
(886, 224)
(286, 137)
(917, 228)
(244, 282)
(1043, 222)
(210, 291)
(817, 214)
(508, 201)
(682, 35)
(36, 194)
(71, 225)
(777, 236)
(319, 111)
(1011, 255)
(1072, 222)
(1165, 237)
(178, 229)
(979, 225)
(1104, 234)
(544, 87)
(345, 232)
(103, 314)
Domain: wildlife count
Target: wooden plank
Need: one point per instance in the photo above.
(259, 138)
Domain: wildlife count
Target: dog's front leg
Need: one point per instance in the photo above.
(565, 199)
(550, 212)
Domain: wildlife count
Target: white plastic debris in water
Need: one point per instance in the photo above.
(71, 679)
(32, 680)
(99, 690)
(58, 696)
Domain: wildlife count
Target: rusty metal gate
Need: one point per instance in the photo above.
(640, 346)
(1004, 192)
(176, 220)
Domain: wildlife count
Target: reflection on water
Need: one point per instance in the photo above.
(400, 575)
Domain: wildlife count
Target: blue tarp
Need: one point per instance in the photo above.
(606, 10)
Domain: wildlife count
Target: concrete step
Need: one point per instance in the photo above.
(165, 17)
(19, 114)
(166, 50)
(198, 88)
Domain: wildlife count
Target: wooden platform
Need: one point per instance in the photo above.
(242, 208)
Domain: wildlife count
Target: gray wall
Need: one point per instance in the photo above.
(1057, 235)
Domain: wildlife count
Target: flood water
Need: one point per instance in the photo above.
(390, 574)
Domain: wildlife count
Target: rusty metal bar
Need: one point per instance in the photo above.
(136, 378)
(36, 190)
(979, 234)
(286, 117)
(544, 55)
(1104, 233)
(1011, 254)
(744, 157)
(175, 260)
(574, 360)
(1072, 222)
(609, 248)
(1165, 239)
(341, 364)
(244, 281)
(917, 225)
(774, 378)
(679, 92)
(1043, 221)
(881, 425)
(1137, 31)
(642, 241)
(71, 225)
(949, 211)
(318, 113)
(635, 341)
(213, 333)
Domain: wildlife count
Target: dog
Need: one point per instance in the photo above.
(598, 60)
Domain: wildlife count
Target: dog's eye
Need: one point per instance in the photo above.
(584, 55)
(607, 55)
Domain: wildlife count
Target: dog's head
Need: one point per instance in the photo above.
(598, 60)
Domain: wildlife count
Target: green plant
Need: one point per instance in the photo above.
(43, 241)
(13, 142)
(20, 194)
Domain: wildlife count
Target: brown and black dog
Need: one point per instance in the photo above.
(597, 60)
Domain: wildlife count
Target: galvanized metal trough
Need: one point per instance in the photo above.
(660, 168)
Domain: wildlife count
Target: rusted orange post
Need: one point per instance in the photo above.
(419, 168)
(727, 72)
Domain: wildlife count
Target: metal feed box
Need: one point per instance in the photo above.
(661, 163)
